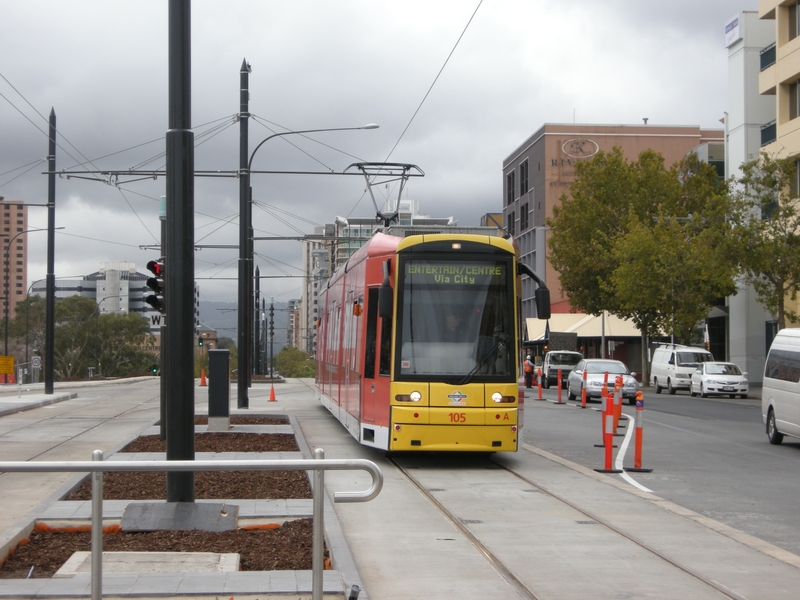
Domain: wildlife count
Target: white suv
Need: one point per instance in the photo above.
(555, 360)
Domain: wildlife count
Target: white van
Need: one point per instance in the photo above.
(672, 366)
(780, 396)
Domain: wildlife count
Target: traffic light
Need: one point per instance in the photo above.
(156, 300)
(199, 341)
(154, 369)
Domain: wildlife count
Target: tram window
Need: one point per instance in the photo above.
(386, 346)
(372, 334)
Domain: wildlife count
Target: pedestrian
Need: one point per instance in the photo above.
(527, 369)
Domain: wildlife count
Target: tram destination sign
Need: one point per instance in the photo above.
(455, 272)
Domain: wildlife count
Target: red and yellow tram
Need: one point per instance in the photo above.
(419, 343)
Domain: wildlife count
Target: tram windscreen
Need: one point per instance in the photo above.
(455, 320)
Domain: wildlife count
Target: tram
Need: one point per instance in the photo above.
(419, 343)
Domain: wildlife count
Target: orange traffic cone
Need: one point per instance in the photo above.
(272, 394)
(203, 378)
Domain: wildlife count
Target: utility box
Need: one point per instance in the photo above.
(219, 390)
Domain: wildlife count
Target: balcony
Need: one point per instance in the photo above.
(768, 56)
(769, 133)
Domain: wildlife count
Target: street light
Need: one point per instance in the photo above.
(246, 258)
(5, 263)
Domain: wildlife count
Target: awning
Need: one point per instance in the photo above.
(584, 325)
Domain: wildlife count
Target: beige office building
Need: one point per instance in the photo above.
(15, 255)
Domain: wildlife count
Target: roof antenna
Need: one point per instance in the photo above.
(645, 120)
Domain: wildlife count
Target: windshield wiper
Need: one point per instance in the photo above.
(468, 377)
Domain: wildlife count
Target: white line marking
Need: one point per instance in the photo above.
(623, 447)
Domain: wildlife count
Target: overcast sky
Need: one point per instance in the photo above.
(322, 64)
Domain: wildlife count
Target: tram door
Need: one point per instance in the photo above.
(370, 355)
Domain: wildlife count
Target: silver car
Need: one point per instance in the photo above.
(719, 378)
(596, 369)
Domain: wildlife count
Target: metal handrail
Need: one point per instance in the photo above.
(318, 465)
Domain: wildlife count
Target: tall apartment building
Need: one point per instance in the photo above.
(746, 36)
(539, 171)
(15, 254)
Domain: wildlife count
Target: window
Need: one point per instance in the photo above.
(510, 227)
(523, 217)
(523, 178)
(793, 99)
(511, 193)
(793, 15)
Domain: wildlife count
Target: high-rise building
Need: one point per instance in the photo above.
(15, 254)
(749, 118)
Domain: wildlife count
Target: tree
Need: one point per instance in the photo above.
(292, 362)
(644, 242)
(768, 226)
(119, 338)
(83, 337)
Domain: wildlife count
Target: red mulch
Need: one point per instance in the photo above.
(288, 547)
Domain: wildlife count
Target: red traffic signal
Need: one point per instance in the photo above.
(156, 300)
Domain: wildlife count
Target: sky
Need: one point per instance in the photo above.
(455, 86)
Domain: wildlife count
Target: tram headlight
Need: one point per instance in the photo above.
(412, 397)
(499, 398)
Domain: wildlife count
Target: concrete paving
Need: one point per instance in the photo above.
(399, 546)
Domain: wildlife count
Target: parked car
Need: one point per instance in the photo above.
(556, 360)
(596, 368)
(719, 378)
(673, 365)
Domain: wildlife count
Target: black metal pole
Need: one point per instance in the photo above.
(271, 337)
(50, 310)
(243, 367)
(162, 215)
(256, 323)
(179, 255)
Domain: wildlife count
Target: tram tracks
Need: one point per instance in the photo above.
(507, 572)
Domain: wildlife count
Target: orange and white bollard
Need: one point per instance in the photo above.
(637, 454)
(617, 403)
(539, 383)
(558, 388)
(608, 436)
(604, 393)
(583, 390)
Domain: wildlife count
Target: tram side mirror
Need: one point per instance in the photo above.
(542, 299)
(385, 301)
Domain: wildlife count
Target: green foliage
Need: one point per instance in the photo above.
(83, 338)
(291, 362)
(768, 227)
(645, 242)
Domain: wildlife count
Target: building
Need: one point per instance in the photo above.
(15, 254)
(293, 327)
(116, 287)
(539, 171)
(751, 115)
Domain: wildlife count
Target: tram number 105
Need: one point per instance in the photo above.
(458, 417)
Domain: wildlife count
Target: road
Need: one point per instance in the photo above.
(709, 455)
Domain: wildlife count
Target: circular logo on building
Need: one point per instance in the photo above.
(580, 148)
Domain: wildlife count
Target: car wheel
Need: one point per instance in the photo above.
(743, 396)
(703, 392)
(691, 391)
(570, 395)
(670, 389)
(732, 396)
(775, 436)
(632, 401)
(658, 387)
(545, 382)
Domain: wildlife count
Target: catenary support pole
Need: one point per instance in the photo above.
(50, 304)
(179, 256)
(243, 367)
